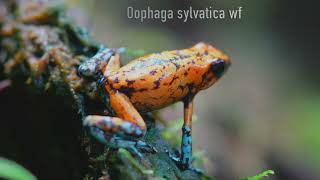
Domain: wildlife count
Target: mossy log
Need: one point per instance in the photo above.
(40, 51)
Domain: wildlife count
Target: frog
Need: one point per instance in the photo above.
(147, 84)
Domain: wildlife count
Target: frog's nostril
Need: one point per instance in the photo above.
(218, 67)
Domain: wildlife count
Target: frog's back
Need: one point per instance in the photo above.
(152, 67)
(153, 81)
(140, 73)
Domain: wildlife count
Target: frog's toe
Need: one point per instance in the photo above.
(196, 170)
(173, 156)
(177, 159)
(136, 147)
(133, 150)
(146, 147)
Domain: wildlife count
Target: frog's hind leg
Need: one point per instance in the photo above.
(185, 159)
(121, 131)
(117, 133)
(114, 126)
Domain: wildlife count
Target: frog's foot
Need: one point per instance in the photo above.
(114, 125)
(196, 170)
(173, 156)
(115, 141)
(184, 159)
(117, 133)
(177, 159)
(94, 65)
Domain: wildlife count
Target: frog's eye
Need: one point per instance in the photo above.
(218, 67)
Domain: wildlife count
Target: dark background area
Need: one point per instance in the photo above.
(44, 139)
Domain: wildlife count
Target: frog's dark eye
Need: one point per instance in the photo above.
(218, 68)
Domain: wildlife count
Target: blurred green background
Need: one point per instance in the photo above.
(264, 113)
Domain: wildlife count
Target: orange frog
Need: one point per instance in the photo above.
(149, 83)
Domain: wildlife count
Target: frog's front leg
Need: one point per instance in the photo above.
(186, 144)
(92, 66)
(121, 131)
(185, 160)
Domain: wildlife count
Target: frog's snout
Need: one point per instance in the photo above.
(219, 67)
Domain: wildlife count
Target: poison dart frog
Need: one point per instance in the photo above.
(150, 83)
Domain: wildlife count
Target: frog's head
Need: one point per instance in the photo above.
(216, 63)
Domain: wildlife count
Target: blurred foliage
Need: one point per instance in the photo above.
(260, 175)
(13, 171)
(304, 115)
(173, 128)
(126, 154)
(134, 53)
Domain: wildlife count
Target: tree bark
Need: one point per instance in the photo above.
(40, 51)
